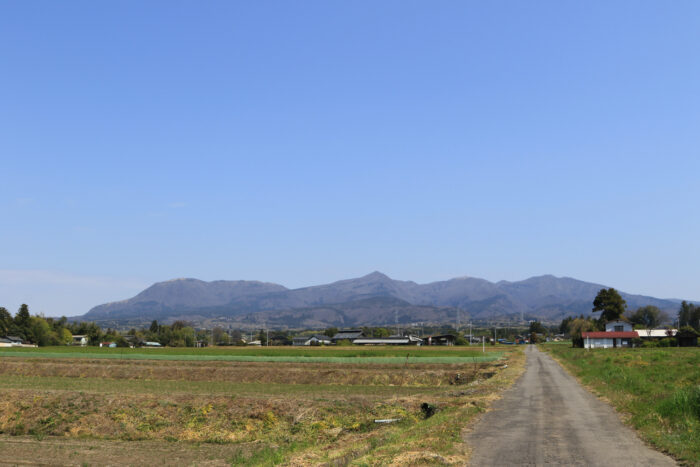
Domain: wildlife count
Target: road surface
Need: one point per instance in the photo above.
(548, 418)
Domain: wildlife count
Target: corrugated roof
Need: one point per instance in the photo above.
(321, 337)
(347, 335)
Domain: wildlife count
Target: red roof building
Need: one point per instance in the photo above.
(610, 335)
(608, 339)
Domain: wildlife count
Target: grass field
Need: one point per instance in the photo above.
(353, 355)
(657, 391)
(276, 405)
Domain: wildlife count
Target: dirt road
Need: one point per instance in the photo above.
(548, 418)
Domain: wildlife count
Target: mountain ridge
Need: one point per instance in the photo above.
(372, 299)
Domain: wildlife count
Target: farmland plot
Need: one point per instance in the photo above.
(258, 412)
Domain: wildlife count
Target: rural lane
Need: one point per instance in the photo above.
(548, 418)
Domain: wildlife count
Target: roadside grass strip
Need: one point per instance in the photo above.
(657, 390)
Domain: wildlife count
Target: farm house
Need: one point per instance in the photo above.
(616, 334)
(443, 339)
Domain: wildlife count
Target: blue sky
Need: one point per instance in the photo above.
(306, 142)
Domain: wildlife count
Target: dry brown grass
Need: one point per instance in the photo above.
(246, 372)
(313, 426)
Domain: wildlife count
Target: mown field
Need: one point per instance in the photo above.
(657, 391)
(312, 409)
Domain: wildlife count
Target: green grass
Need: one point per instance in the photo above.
(657, 389)
(381, 355)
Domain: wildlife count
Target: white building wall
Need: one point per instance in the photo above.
(597, 343)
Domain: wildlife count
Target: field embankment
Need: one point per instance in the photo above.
(657, 391)
(306, 411)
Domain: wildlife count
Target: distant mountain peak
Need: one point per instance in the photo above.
(376, 275)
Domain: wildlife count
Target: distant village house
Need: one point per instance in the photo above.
(316, 339)
(80, 340)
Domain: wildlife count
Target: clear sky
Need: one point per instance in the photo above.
(310, 141)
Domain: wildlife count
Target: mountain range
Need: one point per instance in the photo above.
(374, 299)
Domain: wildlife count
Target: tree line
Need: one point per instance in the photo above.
(43, 331)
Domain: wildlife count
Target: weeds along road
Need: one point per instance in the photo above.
(548, 418)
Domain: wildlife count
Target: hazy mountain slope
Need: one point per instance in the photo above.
(375, 311)
(455, 292)
(182, 294)
(371, 299)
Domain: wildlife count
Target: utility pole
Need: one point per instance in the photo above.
(494, 335)
(470, 333)
(267, 331)
(483, 344)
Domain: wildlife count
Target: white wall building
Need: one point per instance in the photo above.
(616, 334)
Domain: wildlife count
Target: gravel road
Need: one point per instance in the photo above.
(548, 418)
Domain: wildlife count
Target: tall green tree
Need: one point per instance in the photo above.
(610, 303)
(537, 327)
(220, 336)
(578, 326)
(689, 315)
(5, 321)
(39, 331)
(647, 316)
(564, 326)
(22, 322)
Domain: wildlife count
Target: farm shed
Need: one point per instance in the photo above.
(4, 342)
(391, 340)
(442, 339)
(80, 340)
(608, 339)
(13, 341)
(656, 333)
(347, 334)
(316, 339)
